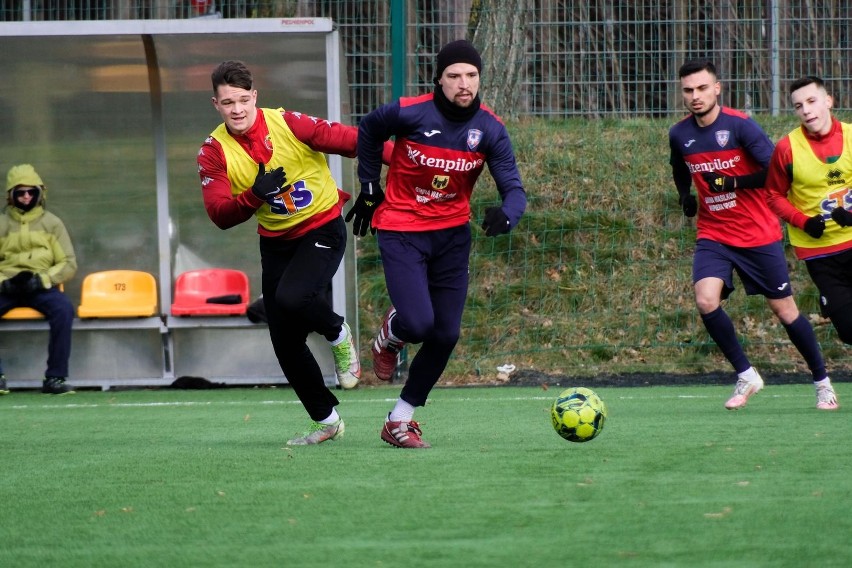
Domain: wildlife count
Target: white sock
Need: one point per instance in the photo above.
(826, 382)
(340, 338)
(749, 375)
(332, 418)
(402, 412)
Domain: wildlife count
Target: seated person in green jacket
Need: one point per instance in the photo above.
(36, 256)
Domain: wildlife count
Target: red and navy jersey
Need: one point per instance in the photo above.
(435, 164)
(734, 145)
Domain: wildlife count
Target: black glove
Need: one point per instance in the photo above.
(23, 283)
(268, 184)
(370, 197)
(33, 284)
(815, 226)
(8, 288)
(718, 183)
(496, 222)
(841, 216)
(689, 204)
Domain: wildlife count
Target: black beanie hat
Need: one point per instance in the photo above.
(459, 51)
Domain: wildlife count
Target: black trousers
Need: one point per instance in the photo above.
(296, 285)
(59, 311)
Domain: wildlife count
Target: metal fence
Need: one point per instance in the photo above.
(597, 275)
(549, 57)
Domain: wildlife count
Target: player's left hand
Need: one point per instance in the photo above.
(719, 183)
(496, 222)
(842, 217)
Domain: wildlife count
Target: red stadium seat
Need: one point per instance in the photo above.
(211, 292)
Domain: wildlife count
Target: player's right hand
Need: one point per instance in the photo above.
(689, 204)
(814, 226)
(268, 184)
(368, 200)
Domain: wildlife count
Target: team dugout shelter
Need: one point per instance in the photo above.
(112, 114)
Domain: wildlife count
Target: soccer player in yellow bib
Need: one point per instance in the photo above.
(810, 187)
(269, 163)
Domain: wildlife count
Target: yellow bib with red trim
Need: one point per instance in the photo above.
(818, 188)
(311, 188)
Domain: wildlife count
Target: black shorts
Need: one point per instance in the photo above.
(833, 277)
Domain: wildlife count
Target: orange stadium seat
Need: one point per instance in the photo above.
(118, 294)
(211, 292)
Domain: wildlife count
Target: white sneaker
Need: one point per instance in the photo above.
(826, 398)
(347, 366)
(743, 391)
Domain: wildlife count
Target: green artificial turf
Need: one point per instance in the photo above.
(203, 478)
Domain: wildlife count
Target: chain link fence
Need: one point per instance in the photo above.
(548, 57)
(596, 279)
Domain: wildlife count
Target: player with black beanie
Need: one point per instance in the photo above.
(443, 141)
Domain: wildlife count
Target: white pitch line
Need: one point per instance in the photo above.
(344, 402)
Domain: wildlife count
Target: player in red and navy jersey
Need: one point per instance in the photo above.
(443, 141)
(810, 187)
(725, 154)
(269, 163)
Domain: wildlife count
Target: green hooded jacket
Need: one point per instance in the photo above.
(37, 241)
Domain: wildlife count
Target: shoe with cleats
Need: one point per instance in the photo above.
(744, 390)
(3, 388)
(826, 398)
(56, 385)
(386, 350)
(319, 433)
(403, 435)
(346, 363)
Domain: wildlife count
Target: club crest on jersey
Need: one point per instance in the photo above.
(722, 137)
(474, 137)
(440, 182)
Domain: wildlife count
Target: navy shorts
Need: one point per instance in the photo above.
(763, 270)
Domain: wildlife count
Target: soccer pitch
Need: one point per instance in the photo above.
(203, 478)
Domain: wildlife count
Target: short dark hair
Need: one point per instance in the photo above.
(233, 73)
(694, 66)
(805, 81)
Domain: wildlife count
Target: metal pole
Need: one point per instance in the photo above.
(774, 57)
(28, 10)
(398, 63)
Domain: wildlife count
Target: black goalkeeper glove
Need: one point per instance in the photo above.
(842, 217)
(268, 184)
(689, 204)
(496, 222)
(719, 183)
(370, 197)
(815, 226)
